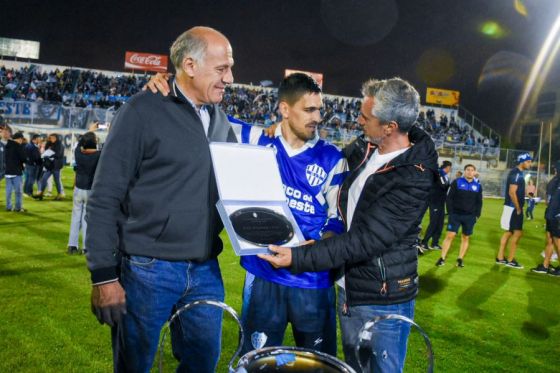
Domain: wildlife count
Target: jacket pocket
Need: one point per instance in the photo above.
(180, 226)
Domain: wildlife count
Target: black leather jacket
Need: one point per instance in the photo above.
(378, 254)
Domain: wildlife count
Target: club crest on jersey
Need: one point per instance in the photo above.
(315, 174)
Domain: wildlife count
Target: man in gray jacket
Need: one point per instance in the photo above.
(153, 205)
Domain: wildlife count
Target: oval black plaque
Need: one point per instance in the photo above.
(262, 226)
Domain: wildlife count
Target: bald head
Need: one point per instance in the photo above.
(193, 44)
(203, 59)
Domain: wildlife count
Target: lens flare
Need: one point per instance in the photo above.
(493, 30)
(539, 71)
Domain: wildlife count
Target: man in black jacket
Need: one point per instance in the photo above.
(15, 159)
(382, 202)
(464, 205)
(153, 204)
(437, 207)
(33, 163)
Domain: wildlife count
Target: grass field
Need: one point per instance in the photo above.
(480, 318)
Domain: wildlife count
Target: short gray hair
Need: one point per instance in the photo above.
(395, 100)
(190, 43)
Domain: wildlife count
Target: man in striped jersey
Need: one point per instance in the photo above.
(312, 171)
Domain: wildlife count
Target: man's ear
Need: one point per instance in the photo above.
(189, 66)
(393, 126)
(284, 109)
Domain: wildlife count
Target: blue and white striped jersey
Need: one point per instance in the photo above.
(311, 177)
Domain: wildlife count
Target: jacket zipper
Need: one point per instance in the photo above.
(345, 308)
(383, 290)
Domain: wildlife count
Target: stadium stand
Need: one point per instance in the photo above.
(71, 98)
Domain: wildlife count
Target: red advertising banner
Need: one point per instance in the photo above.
(317, 76)
(145, 61)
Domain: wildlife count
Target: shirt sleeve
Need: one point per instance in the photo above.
(330, 190)
(118, 164)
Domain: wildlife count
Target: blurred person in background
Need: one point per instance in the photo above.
(464, 205)
(86, 157)
(512, 215)
(53, 161)
(5, 134)
(15, 159)
(33, 163)
(552, 217)
(437, 208)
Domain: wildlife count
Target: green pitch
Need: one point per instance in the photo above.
(482, 317)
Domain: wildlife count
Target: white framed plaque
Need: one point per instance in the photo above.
(252, 202)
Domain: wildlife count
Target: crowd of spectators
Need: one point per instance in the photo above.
(70, 87)
(82, 88)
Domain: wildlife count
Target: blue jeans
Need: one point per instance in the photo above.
(269, 307)
(78, 221)
(13, 184)
(155, 289)
(56, 176)
(389, 339)
(31, 173)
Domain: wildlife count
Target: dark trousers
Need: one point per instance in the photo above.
(437, 218)
(31, 174)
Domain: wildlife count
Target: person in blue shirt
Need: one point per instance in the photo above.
(312, 171)
(552, 216)
(464, 205)
(531, 202)
(512, 216)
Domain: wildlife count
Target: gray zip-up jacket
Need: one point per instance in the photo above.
(154, 191)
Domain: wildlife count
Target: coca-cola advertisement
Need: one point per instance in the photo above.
(145, 61)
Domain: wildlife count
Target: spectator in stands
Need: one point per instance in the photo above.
(512, 216)
(464, 205)
(15, 159)
(153, 201)
(53, 161)
(437, 207)
(33, 163)
(86, 157)
(552, 216)
(382, 200)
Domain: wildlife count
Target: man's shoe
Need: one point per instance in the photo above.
(435, 247)
(540, 269)
(440, 262)
(72, 250)
(501, 261)
(554, 272)
(9, 210)
(514, 264)
(21, 210)
(38, 197)
(460, 263)
(59, 197)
